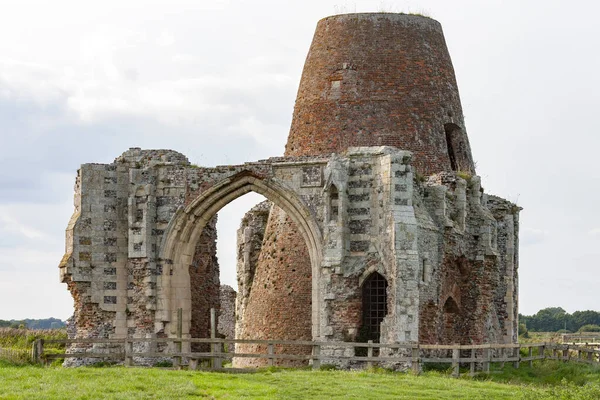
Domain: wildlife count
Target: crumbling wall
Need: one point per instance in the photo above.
(226, 325)
(204, 283)
(447, 251)
(468, 279)
(111, 259)
(249, 242)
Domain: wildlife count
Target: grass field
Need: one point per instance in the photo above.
(34, 382)
(546, 380)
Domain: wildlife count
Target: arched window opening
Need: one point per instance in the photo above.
(450, 322)
(450, 306)
(374, 294)
(452, 137)
(334, 206)
(425, 271)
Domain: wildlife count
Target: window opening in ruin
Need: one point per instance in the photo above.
(450, 306)
(450, 320)
(425, 271)
(452, 132)
(334, 200)
(374, 294)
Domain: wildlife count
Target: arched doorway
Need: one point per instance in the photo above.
(186, 227)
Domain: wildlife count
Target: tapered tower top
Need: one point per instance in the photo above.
(381, 79)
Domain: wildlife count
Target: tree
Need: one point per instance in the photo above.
(590, 328)
(554, 319)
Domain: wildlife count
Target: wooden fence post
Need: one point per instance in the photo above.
(215, 347)
(487, 355)
(530, 357)
(472, 366)
(455, 364)
(128, 352)
(370, 353)
(565, 354)
(34, 355)
(316, 361)
(270, 352)
(40, 351)
(517, 350)
(415, 360)
(178, 347)
(542, 352)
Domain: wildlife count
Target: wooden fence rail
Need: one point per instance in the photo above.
(477, 357)
(583, 337)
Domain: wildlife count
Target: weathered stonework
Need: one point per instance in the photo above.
(359, 240)
(447, 251)
(226, 323)
(249, 242)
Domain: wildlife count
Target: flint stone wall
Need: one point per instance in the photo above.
(447, 250)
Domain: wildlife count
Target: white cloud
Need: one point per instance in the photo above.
(98, 89)
(165, 39)
(594, 232)
(530, 236)
(10, 225)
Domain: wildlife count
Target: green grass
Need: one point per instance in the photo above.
(548, 372)
(26, 382)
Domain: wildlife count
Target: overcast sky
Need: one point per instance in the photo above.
(216, 80)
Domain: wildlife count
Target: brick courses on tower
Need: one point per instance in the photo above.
(380, 80)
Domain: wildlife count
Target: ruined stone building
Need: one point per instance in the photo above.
(377, 226)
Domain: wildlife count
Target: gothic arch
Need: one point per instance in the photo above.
(186, 226)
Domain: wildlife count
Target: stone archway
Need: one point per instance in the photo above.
(185, 228)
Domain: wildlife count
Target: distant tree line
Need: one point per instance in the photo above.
(555, 319)
(48, 323)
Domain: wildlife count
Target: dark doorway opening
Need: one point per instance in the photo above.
(374, 294)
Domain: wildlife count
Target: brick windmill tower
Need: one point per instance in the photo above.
(378, 79)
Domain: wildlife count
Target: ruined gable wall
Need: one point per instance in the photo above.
(467, 268)
(226, 325)
(111, 264)
(204, 282)
(96, 265)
